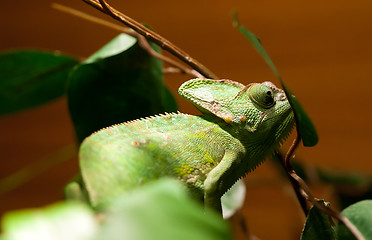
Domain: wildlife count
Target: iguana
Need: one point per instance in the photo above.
(239, 127)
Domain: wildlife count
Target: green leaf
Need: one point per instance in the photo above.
(161, 210)
(233, 199)
(120, 82)
(360, 214)
(317, 226)
(70, 220)
(30, 78)
(304, 124)
(120, 43)
(256, 43)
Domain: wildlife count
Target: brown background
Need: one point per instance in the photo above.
(323, 50)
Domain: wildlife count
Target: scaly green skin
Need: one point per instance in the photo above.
(239, 127)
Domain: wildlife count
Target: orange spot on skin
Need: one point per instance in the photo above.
(227, 119)
(243, 118)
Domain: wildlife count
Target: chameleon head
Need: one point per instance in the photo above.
(259, 109)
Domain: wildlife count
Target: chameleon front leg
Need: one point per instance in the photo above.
(212, 184)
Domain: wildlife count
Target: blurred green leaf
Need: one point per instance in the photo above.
(342, 177)
(317, 226)
(29, 78)
(360, 214)
(60, 221)
(161, 210)
(301, 170)
(357, 180)
(233, 199)
(304, 124)
(120, 82)
(348, 186)
(347, 197)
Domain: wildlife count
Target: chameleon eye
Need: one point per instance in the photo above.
(261, 95)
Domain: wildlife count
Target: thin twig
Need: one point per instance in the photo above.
(152, 36)
(296, 187)
(177, 70)
(290, 153)
(303, 191)
(91, 18)
(327, 210)
(141, 40)
(182, 69)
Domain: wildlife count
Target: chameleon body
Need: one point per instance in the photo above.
(239, 127)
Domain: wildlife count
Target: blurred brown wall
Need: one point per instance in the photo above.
(323, 50)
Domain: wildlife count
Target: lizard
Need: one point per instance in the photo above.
(240, 126)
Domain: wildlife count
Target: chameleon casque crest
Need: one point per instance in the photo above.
(239, 127)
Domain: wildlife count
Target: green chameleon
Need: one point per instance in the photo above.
(239, 127)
